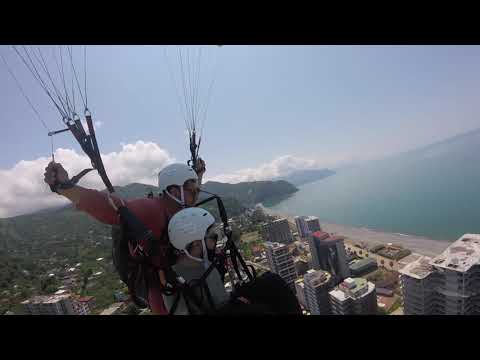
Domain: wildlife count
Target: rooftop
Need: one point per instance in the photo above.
(61, 292)
(326, 237)
(86, 299)
(316, 277)
(360, 264)
(46, 299)
(339, 295)
(461, 255)
(390, 251)
(352, 288)
(408, 259)
(418, 269)
(321, 234)
(274, 245)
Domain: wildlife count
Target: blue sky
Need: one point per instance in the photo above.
(323, 103)
(267, 101)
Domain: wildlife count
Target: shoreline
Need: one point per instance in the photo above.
(417, 244)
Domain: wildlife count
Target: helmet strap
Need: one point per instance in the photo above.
(192, 257)
(182, 197)
(206, 262)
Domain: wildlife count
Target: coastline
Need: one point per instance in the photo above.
(417, 244)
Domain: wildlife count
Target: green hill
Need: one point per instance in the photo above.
(252, 193)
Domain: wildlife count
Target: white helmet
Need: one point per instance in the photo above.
(187, 226)
(175, 174)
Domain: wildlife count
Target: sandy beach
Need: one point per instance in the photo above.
(416, 244)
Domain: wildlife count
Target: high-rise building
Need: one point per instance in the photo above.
(317, 285)
(313, 239)
(448, 284)
(300, 292)
(281, 262)
(277, 231)
(354, 296)
(313, 224)
(307, 225)
(328, 254)
(302, 227)
(50, 305)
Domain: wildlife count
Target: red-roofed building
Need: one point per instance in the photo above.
(321, 235)
(84, 305)
(328, 254)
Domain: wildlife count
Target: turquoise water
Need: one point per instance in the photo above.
(432, 192)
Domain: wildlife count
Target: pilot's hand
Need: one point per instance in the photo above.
(54, 173)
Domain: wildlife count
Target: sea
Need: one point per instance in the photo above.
(432, 192)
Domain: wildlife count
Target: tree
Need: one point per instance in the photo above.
(86, 274)
(48, 285)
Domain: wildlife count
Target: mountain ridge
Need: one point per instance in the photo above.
(301, 177)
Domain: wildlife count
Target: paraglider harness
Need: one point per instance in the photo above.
(133, 247)
(228, 254)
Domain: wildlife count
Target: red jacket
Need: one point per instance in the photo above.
(154, 213)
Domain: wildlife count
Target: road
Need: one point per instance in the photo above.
(256, 265)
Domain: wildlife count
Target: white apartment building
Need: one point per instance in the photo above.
(448, 284)
(49, 305)
(354, 296)
(281, 262)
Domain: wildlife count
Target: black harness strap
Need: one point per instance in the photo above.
(175, 304)
(209, 296)
(187, 290)
(234, 253)
(98, 163)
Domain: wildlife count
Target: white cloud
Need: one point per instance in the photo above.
(280, 166)
(22, 189)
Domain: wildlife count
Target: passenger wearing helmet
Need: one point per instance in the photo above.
(178, 182)
(193, 235)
